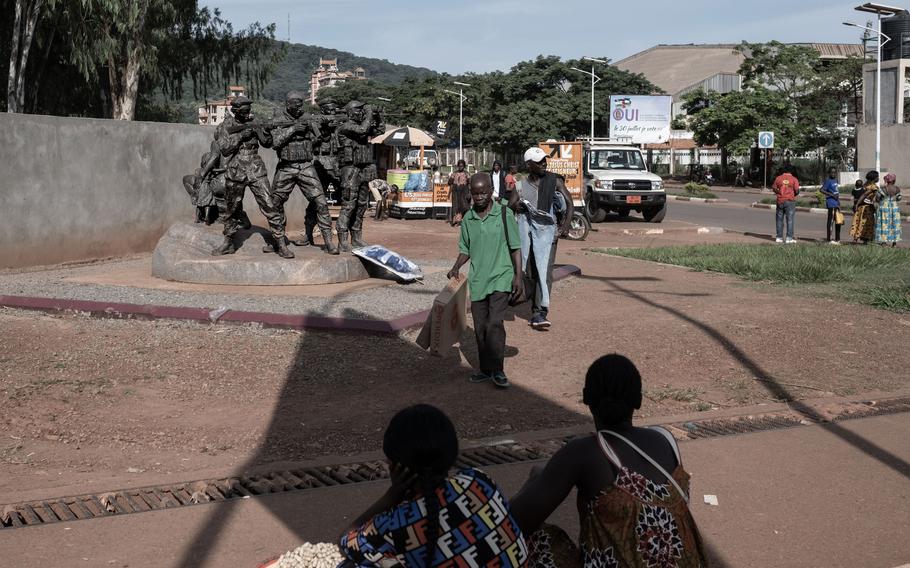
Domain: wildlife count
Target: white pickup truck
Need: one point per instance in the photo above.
(617, 180)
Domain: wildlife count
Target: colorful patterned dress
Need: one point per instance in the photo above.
(888, 217)
(634, 523)
(475, 529)
(863, 227)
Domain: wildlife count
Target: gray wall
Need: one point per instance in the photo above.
(75, 189)
(894, 153)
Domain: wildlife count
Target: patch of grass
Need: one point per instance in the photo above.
(698, 190)
(702, 406)
(799, 202)
(872, 275)
(671, 393)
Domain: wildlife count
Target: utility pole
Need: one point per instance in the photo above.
(594, 80)
(461, 99)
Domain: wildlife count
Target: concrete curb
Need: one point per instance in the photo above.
(815, 210)
(117, 310)
(697, 199)
(696, 230)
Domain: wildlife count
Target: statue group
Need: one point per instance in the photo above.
(314, 151)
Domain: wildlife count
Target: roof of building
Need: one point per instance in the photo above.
(674, 68)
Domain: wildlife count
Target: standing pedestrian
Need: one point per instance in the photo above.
(537, 200)
(888, 217)
(863, 227)
(459, 189)
(489, 239)
(832, 203)
(786, 188)
(498, 177)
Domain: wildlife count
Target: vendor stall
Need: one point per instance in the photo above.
(418, 197)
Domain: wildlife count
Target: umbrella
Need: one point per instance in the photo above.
(406, 136)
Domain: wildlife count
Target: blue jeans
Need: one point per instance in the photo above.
(787, 208)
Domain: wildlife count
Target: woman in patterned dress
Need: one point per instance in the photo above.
(429, 516)
(863, 227)
(632, 489)
(888, 217)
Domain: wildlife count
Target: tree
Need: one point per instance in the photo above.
(128, 53)
(25, 20)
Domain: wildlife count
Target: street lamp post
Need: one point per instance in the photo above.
(461, 100)
(878, 10)
(594, 80)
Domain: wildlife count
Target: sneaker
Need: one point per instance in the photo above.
(791, 241)
(542, 323)
(480, 377)
(500, 380)
(778, 240)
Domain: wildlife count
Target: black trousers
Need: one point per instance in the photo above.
(490, 331)
(832, 223)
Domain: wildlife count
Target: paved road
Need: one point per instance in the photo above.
(738, 217)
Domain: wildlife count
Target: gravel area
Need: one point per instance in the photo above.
(381, 302)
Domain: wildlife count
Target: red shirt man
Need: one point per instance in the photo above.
(786, 187)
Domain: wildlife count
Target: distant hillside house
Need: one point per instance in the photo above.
(214, 112)
(328, 75)
(681, 69)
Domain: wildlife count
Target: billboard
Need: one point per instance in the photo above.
(644, 119)
(565, 159)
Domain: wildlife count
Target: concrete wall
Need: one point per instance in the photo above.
(894, 153)
(74, 189)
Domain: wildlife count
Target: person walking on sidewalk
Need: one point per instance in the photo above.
(498, 177)
(786, 188)
(888, 218)
(832, 204)
(489, 239)
(537, 200)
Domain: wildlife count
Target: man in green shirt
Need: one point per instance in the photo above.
(491, 242)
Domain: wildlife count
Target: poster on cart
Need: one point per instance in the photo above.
(640, 119)
(565, 159)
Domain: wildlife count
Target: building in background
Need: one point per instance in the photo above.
(681, 69)
(214, 112)
(328, 75)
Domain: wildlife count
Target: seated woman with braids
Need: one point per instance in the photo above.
(429, 516)
(632, 489)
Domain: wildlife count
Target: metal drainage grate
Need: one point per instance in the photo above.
(729, 426)
(144, 499)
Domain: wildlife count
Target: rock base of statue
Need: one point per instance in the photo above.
(184, 254)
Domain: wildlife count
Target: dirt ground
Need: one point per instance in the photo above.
(114, 401)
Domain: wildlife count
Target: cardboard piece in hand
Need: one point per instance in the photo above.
(447, 319)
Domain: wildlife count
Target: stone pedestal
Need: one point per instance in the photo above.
(184, 254)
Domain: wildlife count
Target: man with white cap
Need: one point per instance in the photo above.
(538, 200)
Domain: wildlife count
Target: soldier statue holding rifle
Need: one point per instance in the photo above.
(293, 135)
(239, 139)
(358, 168)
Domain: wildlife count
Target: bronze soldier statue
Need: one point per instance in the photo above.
(200, 186)
(239, 139)
(293, 133)
(325, 149)
(357, 170)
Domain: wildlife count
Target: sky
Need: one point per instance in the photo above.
(480, 36)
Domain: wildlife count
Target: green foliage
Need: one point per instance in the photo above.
(698, 190)
(866, 274)
(86, 52)
(787, 89)
(294, 71)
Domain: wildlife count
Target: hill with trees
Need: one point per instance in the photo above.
(293, 72)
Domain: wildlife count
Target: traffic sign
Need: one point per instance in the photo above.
(765, 140)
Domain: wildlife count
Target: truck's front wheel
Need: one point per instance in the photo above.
(655, 215)
(595, 213)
